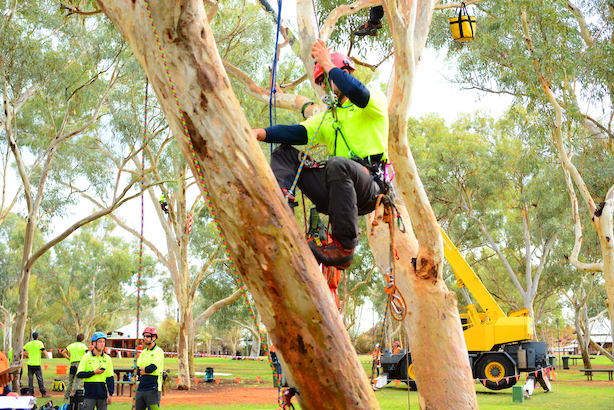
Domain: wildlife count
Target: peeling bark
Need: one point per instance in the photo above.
(263, 237)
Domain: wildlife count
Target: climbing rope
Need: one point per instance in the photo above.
(141, 235)
(273, 92)
(396, 301)
(201, 180)
(381, 338)
(305, 157)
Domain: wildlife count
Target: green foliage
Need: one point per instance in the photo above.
(496, 171)
(12, 231)
(498, 60)
(91, 277)
(219, 285)
(168, 335)
(71, 63)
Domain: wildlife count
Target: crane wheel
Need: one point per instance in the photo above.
(407, 373)
(498, 371)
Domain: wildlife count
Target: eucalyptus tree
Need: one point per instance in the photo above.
(167, 172)
(499, 199)
(56, 83)
(167, 175)
(263, 237)
(555, 58)
(231, 320)
(12, 232)
(92, 274)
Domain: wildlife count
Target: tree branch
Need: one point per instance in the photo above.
(75, 10)
(286, 101)
(202, 318)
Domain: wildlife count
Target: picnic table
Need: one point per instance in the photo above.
(120, 382)
(574, 360)
(589, 373)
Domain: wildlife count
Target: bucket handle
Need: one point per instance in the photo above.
(464, 12)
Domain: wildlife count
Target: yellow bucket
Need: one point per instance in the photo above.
(463, 26)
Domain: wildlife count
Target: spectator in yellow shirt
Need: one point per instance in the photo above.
(33, 351)
(74, 352)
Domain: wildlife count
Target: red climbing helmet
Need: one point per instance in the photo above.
(340, 60)
(151, 330)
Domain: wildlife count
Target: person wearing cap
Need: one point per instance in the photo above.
(96, 370)
(150, 367)
(355, 131)
(33, 351)
(74, 352)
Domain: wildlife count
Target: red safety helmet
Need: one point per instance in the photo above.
(151, 330)
(340, 60)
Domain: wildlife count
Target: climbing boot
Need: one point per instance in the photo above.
(369, 29)
(332, 254)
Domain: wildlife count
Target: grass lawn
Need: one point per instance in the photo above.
(571, 390)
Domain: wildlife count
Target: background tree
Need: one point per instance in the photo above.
(552, 57)
(266, 206)
(496, 198)
(48, 121)
(93, 274)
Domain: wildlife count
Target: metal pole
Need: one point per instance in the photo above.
(558, 330)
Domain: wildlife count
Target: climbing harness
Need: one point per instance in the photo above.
(305, 161)
(201, 180)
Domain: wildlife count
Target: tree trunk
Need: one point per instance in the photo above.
(434, 312)
(183, 348)
(263, 237)
(601, 215)
(432, 320)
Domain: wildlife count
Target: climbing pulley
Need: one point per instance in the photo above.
(463, 26)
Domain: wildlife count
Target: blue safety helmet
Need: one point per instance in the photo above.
(98, 335)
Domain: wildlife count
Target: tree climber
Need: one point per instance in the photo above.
(355, 130)
(163, 203)
(373, 24)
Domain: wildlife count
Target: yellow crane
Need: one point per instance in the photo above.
(500, 346)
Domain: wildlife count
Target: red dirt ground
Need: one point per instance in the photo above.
(214, 395)
(230, 392)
